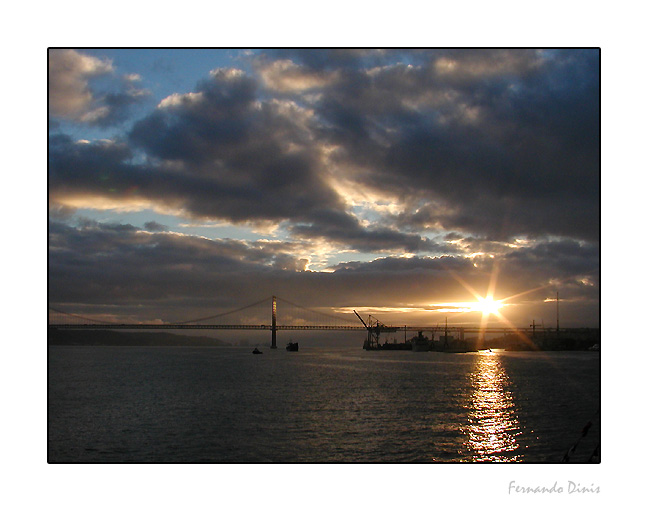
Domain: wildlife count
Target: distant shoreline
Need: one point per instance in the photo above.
(114, 338)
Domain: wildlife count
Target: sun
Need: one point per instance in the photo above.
(488, 305)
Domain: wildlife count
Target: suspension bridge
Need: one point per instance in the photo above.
(284, 315)
(292, 317)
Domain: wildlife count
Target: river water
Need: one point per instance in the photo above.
(173, 404)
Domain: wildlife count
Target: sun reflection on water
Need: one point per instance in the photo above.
(492, 426)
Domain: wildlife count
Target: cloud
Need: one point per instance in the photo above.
(490, 144)
(508, 143)
(69, 71)
(71, 96)
(92, 261)
(221, 154)
(345, 229)
(333, 58)
(284, 76)
(177, 277)
(153, 226)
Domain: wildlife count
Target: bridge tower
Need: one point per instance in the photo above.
(273, 323)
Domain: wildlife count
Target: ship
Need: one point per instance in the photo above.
(420, 343)
(395, 345)
(292, 346)
(257, 351)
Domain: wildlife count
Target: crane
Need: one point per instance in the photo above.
(374, 331)
(362, 321)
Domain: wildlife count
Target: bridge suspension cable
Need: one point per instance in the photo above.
(117, 323)
(96, 321)
(321, 314)
(225, 313)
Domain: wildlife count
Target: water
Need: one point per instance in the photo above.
(172, 404)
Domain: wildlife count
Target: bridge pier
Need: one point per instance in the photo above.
(273, 323)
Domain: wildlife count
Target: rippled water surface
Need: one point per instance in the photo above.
(172, 404)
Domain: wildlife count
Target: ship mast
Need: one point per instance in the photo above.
(557, 313)
(446, 330)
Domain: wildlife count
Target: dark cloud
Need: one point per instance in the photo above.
(521, 278)
(241, 189)
(239, 159)
(58, 212)
(218, 119)
(230, 162)
(153, 226)
(80, 167)
(499, 143)
(116, 108)
(120, 261)
(567, 259)
(508, 141)
(176, 277)
(443, 153)
(345, 229)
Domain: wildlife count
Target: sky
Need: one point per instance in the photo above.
(415, 185)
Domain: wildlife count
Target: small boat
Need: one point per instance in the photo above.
(292, 346)
(257, 351)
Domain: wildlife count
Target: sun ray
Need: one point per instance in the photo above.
(492, 306)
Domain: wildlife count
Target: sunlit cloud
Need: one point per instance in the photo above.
(420, 178)
(114, 203)
(69, 72)
(177, 99)
(485, 306)
(285, 75)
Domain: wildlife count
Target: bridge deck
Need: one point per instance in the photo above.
(388, 329)
(200, 327)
